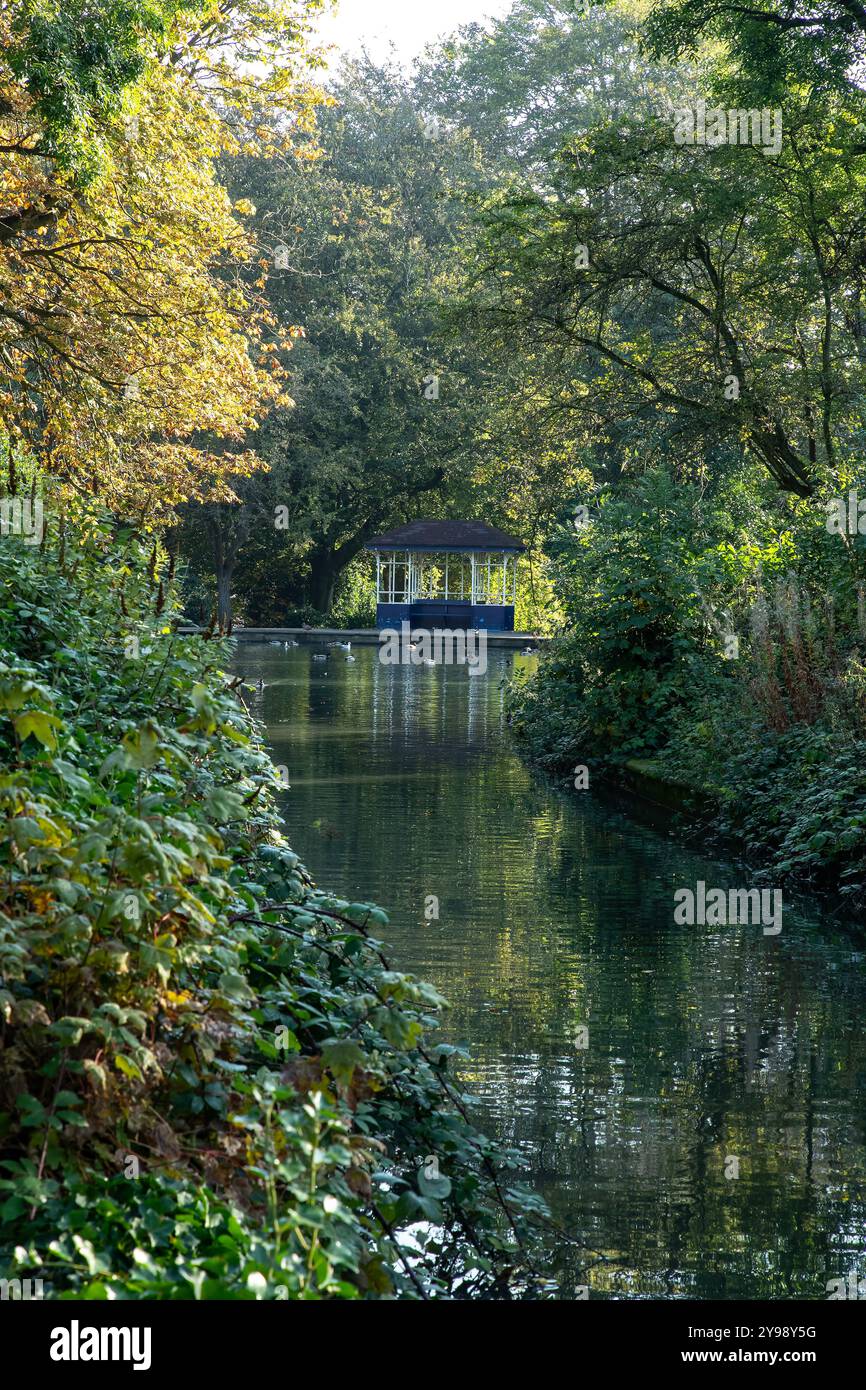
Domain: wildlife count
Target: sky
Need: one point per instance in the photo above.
(408, 24)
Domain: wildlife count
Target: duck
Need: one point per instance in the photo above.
(260, 685)
(293, 643)
(527, 651)
(349, 657)
(344, 646)
(320, 656)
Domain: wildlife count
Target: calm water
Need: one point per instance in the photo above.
(555, 914)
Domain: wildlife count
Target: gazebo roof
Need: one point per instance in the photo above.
(445, 535)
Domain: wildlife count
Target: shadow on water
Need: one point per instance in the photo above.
(711, 1051)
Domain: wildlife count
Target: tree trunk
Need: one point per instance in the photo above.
(788, 469)
(323, 578)
(227, 527)
(224, 574)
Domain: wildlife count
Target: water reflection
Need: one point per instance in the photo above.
(710, 1051)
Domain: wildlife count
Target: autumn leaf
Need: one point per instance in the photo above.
(40, 725)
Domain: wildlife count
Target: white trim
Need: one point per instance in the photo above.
(405, 576)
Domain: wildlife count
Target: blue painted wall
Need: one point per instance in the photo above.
(430, 613)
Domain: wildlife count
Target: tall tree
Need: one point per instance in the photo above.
(130, 342)
(713, 293)
(361, 245)
(770, 45)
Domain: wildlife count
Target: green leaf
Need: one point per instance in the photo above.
(40, 724)
(142, 747)
(433, 1186)
(224, 805)
(128, 1067)
(341, 1057)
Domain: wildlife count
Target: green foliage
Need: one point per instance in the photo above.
(355, 599)
(367, 234)
(212, 1083)
(721, 637)
(645, 294)
(636, 627)
(771, 46)
(781, 754)
(76, 60)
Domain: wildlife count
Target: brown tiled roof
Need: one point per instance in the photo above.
(445, 535)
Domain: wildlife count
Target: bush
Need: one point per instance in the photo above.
(640, 631)
(659, 589)
(794, 799)
(355, 598)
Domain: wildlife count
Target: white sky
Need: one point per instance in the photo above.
(408, 24)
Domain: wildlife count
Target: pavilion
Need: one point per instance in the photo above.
(455, 574)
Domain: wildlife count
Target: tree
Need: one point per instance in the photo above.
(540, 77)
(545, 72)
(135, 355)
(714, 292)
(771, 45)
(361, 246)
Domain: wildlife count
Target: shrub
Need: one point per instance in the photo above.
(774, 742)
